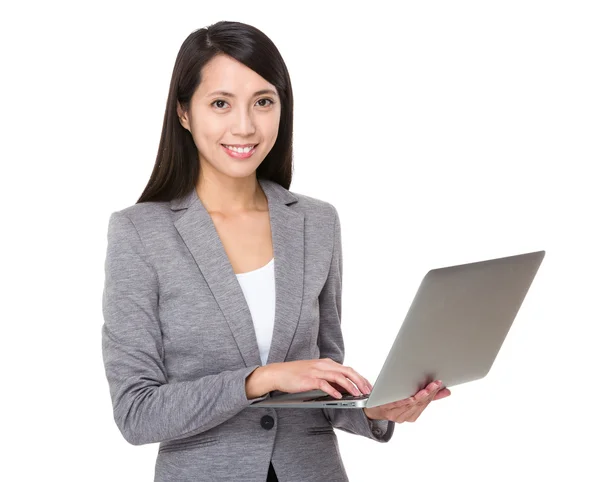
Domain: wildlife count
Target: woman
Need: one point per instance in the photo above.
(223, 286)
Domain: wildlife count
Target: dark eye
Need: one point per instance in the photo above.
(216, 101)
(268, 100)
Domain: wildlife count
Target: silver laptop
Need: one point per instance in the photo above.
(452, 332)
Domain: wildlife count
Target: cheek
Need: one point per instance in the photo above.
(207, 134)
(272, 126)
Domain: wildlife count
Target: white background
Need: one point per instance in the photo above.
(444, 132)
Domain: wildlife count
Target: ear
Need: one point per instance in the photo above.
(183, 117)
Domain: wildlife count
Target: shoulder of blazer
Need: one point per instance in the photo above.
(157, 212)
(146, 212)
(311, 204)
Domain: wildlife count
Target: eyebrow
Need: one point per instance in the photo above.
(229, 94)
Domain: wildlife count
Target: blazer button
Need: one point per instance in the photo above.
(267, 422)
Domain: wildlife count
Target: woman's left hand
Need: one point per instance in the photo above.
(409, 409)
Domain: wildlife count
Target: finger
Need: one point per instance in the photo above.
(424, 398)
(416, 413)
(427, 391)
(422, 395)
(361, 382)
(421, 400)
(435, 385)
(323, 385)
(411, 415)
(341, 380)
(434, 388)
(433, 393)
(347, 383)
(407, 413)
(403, 409)
(443, 393)
(404, 403)
(399, 413)
(338, 387)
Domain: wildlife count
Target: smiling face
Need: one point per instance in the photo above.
(233, 117)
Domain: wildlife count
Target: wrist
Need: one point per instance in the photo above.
(370, 417)
(259, 382)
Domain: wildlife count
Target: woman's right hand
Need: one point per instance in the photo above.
(321, 374)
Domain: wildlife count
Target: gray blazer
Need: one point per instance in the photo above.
(178, 341)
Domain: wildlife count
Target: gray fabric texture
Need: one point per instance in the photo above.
(178, 341)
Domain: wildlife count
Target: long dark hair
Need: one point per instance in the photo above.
(177, 166)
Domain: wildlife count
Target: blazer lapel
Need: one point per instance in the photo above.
(287, 229)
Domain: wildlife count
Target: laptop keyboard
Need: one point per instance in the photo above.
(345, 396)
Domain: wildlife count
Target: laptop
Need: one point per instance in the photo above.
(453, 331)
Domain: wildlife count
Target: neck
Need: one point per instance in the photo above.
(228, 195)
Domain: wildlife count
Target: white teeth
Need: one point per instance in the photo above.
(241, 150)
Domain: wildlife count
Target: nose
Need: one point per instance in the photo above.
(243, 124)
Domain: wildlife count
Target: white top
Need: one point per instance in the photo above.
(259, 290)
(258, 287)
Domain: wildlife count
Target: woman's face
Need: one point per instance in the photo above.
(233, 107)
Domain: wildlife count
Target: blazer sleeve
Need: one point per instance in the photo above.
(331, 345)
(147, 408)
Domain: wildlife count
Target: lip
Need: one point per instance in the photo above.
(239, 155)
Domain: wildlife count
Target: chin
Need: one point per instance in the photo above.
(241, 171)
